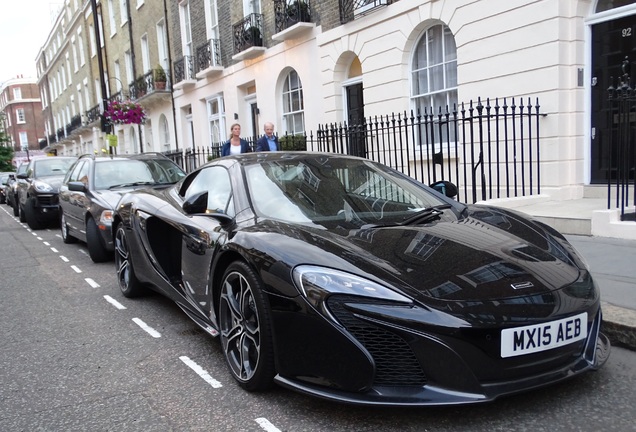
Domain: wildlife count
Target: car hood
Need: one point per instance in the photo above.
(488, 255)
(110, 198)
(54, 181)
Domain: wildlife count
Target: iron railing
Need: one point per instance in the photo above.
(209, 55)
(352, 9)
(248, 33)
(183, 69)
(290, 12)
(487, 150)
(621, 151)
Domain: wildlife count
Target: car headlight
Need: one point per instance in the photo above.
(316, 284)
(106, 218)
(42, 187)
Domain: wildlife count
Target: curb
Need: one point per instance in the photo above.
(619, 325)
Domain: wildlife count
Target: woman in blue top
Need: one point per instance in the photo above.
(236, 144)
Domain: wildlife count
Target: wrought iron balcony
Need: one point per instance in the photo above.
(149, 84)
(248, 35)
(209, 59)
(290, 12)
(92, 114)
(352, 9)
(184, 72)
(76, 122)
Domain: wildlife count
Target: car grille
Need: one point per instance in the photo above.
(47, 200)
(395, 362)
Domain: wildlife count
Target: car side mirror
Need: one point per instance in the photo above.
(22, 176)
(198, 204)
(445, 188)
(76, 186)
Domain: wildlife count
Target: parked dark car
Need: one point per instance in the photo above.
(4, 179)
(38, 193)
(93, 186)
(12, 188)
(347, 280)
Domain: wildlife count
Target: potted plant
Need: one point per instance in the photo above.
(160, 78)
(298, 11)
(253, 36)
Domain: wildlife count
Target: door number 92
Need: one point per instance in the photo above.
(626, 32)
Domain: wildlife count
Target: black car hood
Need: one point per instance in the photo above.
(487, 254)
(54, 181)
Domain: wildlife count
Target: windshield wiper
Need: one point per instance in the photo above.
(425, 215)
(140, 183)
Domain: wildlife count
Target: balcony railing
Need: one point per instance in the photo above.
(352, 9)
(248, 33)
(92, 114)
(76, 122)
(290, 12)
(209, 55)
(183, 69)
(146, 84)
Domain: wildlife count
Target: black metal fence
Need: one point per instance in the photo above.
(622, 148)
(487, 150)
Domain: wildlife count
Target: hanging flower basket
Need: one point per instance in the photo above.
(126, 112)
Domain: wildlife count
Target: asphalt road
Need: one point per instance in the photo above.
(78, 356)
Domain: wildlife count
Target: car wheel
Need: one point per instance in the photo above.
(66, 237)
(22, 216)
(16, 209)
(128, 282)
(245, 324)
(32, 216)
(96, 249)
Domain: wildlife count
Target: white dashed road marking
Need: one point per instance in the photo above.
(63, 258)
(76, 268)
(201, 372)
(266, 425)
(114, 302)
(92, 283)
(152, 332)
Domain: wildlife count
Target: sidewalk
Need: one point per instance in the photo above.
(612, 263)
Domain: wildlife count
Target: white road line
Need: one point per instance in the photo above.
(152, 332)
(114, 302)
(76, 268)
(40, 238)
(47, 244)
(34, 233)
(54, 250)
(63, 258)
(201, 372)
(92, 283)
(266, 425)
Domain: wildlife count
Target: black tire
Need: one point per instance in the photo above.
(22, 215)
(96, 249)
(128, 282)
(246, 329)
(16, 209)
(66, 237)
(31, 215)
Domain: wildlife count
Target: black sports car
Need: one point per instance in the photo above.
(342, 278)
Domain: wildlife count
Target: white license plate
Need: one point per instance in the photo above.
(541, 337)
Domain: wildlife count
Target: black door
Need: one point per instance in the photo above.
(355, 121)
(613, 55)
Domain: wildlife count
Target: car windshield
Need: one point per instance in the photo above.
(348, 192)
(116, 173)
(52, 166)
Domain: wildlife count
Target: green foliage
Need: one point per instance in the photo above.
(160, 74)
(293, 142)
(6, 155)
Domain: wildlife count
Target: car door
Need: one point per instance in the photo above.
(73, 202)
(203, 235)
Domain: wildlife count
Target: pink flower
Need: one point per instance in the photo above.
(126, 112)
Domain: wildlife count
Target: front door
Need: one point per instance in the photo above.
(355, 120)
(613, 55)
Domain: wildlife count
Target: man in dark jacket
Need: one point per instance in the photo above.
(269, 141)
